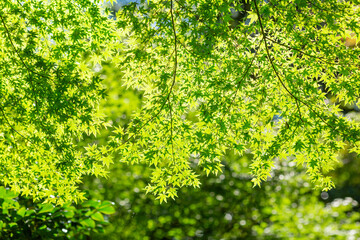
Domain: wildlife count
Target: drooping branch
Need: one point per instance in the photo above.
(297, 100)
(9, 124)
(272, 63)
(304, 53)
(174, 75)
(171, 87)
(17, 52)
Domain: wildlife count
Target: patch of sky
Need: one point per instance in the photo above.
(115, 7)
(277, 117)
(119, 3)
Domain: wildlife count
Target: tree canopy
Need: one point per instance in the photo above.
(262, 77)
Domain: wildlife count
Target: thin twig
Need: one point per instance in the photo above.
(243, 77)
(174, 75)
(304, 53)
(8, 122)
(17, 52)
(170, 90)
(282, 83)
(276, 72)
(26, 66)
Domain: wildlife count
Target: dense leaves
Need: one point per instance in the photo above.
(226, 206)
(255, 86)
(21, 218)
(49, 95)
(249, 76)
(243, 89)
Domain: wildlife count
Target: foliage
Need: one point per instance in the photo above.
(49, 95)
(209, 85)
(21, 218)
(226, 206)
(256, 86)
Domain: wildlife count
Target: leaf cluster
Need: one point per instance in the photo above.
(21, 218)
(208, 85)
(257, 86)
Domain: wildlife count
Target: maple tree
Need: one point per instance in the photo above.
(210, 83)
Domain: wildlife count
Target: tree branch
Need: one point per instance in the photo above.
(171, 87)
